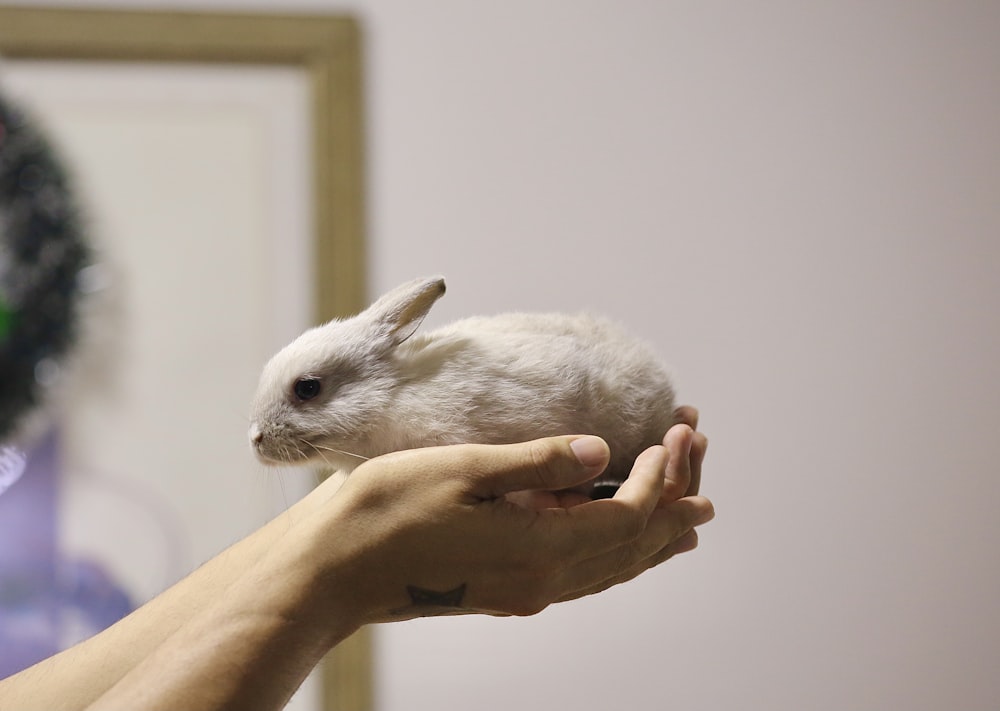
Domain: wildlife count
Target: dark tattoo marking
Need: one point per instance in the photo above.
(432, 602)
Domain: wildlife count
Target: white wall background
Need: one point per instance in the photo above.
(799, 204)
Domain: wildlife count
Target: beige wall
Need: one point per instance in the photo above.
(799, 204)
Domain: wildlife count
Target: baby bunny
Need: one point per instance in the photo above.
(356, 388)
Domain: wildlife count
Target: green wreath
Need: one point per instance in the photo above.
(42, 253)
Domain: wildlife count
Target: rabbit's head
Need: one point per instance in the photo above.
(334, 383)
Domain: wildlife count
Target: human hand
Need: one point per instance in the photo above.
(433, 531)
(687, 448)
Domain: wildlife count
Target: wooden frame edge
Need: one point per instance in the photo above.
(328, 47)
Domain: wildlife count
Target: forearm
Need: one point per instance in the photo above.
(76, 677)
(251, 649)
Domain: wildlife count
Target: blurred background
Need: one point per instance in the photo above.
(798, 204)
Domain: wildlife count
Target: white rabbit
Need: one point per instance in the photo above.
(356, 388)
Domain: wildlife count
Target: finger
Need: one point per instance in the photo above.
(595, 527)
(537, 500)
(667, 526)
(699, 447)
(645, 482)
(687, 542)
(678, 442)
(547, 464)
(686, 415)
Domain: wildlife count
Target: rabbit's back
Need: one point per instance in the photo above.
(512, 377)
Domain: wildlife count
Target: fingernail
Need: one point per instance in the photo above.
(590, 451)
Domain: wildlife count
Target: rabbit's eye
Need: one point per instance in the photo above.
(306, 388)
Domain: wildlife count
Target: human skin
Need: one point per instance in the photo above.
(446, 530)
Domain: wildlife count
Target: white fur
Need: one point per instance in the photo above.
(498, 379)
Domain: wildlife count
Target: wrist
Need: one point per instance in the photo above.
(335, 554)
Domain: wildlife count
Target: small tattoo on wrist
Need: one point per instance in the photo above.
(426, 602)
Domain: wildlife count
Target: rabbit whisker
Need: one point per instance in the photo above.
(321, 455)
(319, 447)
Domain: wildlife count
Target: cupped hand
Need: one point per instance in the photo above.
(434, 532)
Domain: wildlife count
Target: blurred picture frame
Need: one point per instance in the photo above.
(325, 52)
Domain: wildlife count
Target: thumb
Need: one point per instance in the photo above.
(547, 464)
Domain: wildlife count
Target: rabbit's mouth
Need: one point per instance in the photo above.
(274, 449)
(277, 451)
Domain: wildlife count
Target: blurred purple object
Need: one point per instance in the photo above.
(44, 599)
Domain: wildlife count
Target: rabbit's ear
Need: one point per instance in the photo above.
(397, 315)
